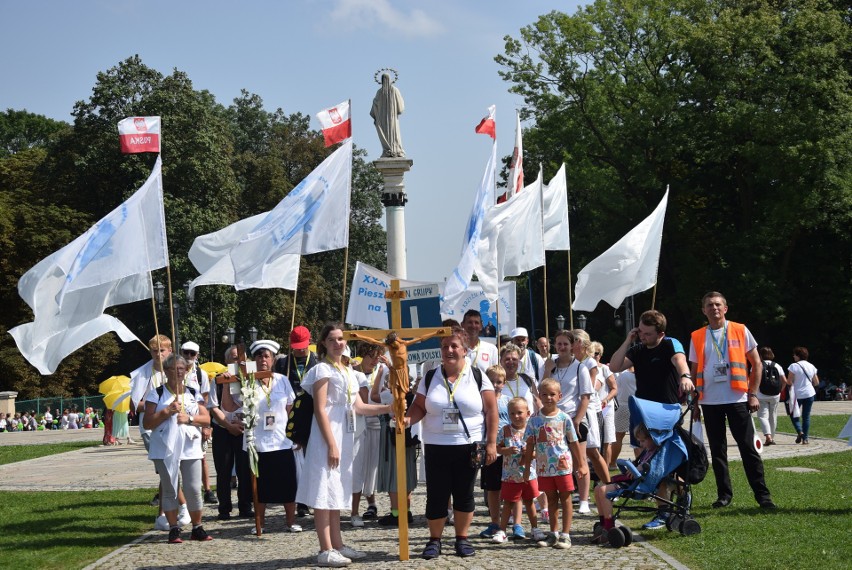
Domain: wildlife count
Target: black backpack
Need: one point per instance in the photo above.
(770, 384)
(694, 469)
(300, 418)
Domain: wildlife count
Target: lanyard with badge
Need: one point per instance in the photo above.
(451, 415)
(720, 369)
(350, 408)
(516, 393)
(269, 418)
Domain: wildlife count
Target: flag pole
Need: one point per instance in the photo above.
(570, 299)
(345, 272)
(171, 308)
(541, 198)
(654, 297)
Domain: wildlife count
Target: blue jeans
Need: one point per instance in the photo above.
(805, 425)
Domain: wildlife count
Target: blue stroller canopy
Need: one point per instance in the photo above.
(660, 419)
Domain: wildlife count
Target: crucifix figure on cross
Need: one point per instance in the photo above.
(399, 381)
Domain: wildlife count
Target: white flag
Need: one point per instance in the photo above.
(555, 210)
(628, 267)
(367, 304)
(108, 265)
(511, 241)
(461, 276)
(263, 251)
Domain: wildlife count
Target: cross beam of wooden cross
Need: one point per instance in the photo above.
(399, 384)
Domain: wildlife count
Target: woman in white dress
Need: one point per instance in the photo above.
(327, 486)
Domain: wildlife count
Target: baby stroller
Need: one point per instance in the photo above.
(680, 460)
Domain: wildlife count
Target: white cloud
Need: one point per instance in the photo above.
(382, 14)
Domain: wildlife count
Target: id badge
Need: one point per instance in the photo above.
(450, 420)
(268, 421)
(350, 420)
(720, 372)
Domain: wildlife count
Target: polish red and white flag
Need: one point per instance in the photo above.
(139, 134)
(335, 123)
(487, 126)
(516, 168)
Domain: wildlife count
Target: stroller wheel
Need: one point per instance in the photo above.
(674, 522)
(599, 534)
(616, 537)
(628, 535)
(690, 527)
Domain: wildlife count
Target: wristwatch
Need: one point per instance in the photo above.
(191, 419)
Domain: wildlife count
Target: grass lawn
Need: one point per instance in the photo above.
(69, 529)
(821, 426)
(810, 529)
(13, 453)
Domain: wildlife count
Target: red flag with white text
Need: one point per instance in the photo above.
(335, 123)
(487, 126)
(139, 134)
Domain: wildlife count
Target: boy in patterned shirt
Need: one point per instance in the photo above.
(519, 478)
(550, 435)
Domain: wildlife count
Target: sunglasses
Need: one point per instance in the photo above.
(189, 352)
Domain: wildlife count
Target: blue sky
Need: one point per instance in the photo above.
(302, 56)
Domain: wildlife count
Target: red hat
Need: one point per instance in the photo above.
(300, 338)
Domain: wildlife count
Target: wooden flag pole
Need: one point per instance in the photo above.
(345, 272)
(570, 295)
(654, 297)
(171, 309)
(546, 315)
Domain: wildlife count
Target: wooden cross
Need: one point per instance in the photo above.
(247, 368)
(399, 385)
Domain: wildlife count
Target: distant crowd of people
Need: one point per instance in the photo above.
(69, 418)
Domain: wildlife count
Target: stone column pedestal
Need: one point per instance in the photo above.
(393, 198)
(7, 402)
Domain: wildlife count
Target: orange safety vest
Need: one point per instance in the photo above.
(736, 354)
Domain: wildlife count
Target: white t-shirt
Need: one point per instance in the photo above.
(803, 373)
(532, 367)
(484, 355)
(164, 435)
(574, 381)
(719, 392)
(466, 397)
(626, 382)
(281, 395)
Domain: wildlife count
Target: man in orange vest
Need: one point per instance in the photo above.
(720, 354)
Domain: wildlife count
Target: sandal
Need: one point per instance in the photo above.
(432, 550)
(371, 512)
(464, 548)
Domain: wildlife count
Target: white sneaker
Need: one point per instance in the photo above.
(356, 521)
(538, 535)
(563, 542)
(183, 516)
(160, 523)
(292, 528)
(450, 518)
(351, 553)
(584, 509)
(499, 537)
(332, 559)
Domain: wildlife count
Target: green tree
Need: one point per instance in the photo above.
(20, 130)
(744, 109)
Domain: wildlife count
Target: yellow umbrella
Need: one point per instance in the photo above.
(118, 401)
(114, 384)
(213, 368)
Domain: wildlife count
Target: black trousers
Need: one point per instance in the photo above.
(227, 451)
(742, 428)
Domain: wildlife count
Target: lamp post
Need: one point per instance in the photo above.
(560, 323)
(160, 298)
(230, 335)
(581, 321)
(252, 334)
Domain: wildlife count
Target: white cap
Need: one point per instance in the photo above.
(189, 345)
(269, 345)
(520, 331)
(346, 352)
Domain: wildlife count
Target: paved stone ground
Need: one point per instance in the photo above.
(126, 466)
